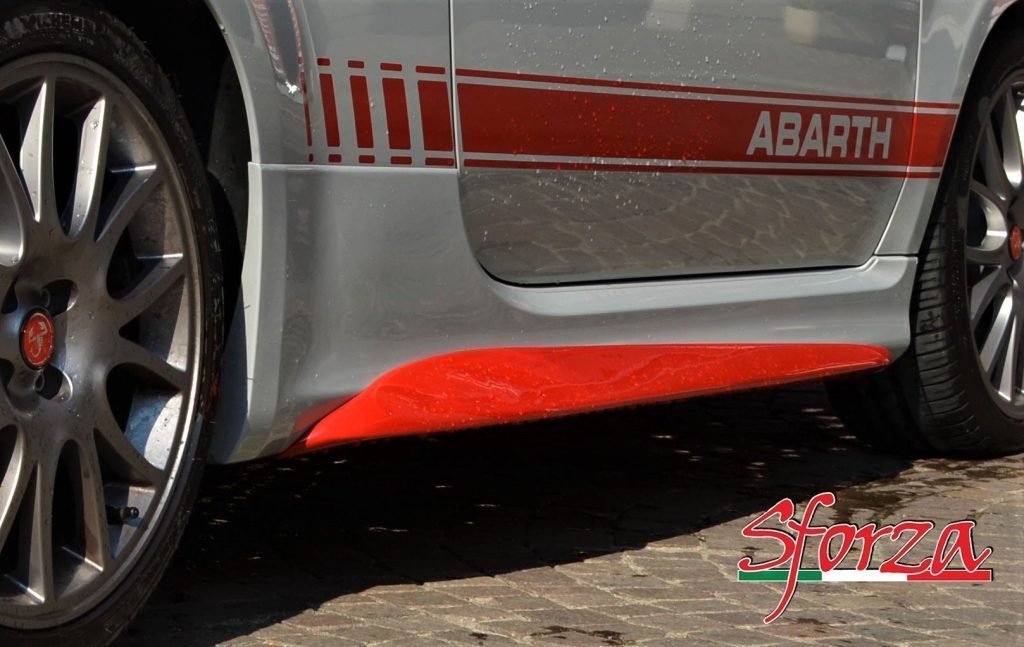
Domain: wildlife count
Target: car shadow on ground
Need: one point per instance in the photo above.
(269, 540)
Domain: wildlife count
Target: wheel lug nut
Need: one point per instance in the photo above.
(44, 297)
(40, 383)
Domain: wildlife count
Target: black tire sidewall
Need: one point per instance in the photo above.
(990, 429)
(88, 32)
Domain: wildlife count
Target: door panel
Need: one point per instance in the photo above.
(622, 140)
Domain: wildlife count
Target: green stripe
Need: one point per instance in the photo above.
(779, 575)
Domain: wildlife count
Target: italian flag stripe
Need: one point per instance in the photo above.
(854, 575)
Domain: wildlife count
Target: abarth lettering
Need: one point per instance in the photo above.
(830, 136)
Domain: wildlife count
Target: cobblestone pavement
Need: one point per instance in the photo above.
(612, 529)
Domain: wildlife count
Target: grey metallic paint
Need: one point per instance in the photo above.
(351, 271)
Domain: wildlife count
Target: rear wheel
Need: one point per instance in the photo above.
(110, 324)
(960, 388)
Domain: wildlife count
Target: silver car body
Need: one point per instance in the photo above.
(430, 176)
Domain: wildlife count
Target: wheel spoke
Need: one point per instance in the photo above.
(131, 354)
(12, 488)
(993, 249)
(1008, 375)
(39, 534)
(94, 510)
(991, 160)
(162, 276)
(991, 254)
(995, 341)
(135, 191)
(1006, 115)
(10, 347)
(92, 161)
(37, 156)
(984, 291)
(16, 212)
(993, 205)
(119, 452)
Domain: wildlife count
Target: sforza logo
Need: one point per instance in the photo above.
(788, 134)
(837, 541)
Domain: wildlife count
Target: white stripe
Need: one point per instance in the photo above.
(853, 575)
(792, 166)
(699, 96)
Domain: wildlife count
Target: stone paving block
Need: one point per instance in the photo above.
(581, 598)
(565, 617)
(418, 598)
(319, 621)
(673, 623)
(787, 628)
(478, 613)
(515, 602)
(737, 637)
(463, 637)
(366, 634)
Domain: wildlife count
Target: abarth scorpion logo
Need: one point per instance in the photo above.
(37, 339)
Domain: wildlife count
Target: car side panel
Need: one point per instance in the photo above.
(292, 58)
(354, 269)
(369, 269)
(585, 158)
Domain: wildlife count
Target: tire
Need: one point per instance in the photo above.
(941, 397)
(155, 224)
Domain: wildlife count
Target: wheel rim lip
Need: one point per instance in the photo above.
(1013, 407)
(84, 599)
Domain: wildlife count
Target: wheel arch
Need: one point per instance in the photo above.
(954, 38)
(223, 76)
(200, 68)
(954, 35)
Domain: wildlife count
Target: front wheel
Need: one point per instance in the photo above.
(110, 325)
(959, 390)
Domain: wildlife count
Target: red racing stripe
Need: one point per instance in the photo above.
(361, 106)
(586, 124)
(435, 115)
(932, 135)
(670, 87)
(330, 110)
(430, 69)
(397, 114)
(440, 161)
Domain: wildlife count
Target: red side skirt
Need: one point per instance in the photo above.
(478, 388)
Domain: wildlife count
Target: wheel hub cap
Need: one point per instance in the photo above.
(37, 339)
(1016, 243)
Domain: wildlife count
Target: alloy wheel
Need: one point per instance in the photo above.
(995, 246)
(99, 334)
